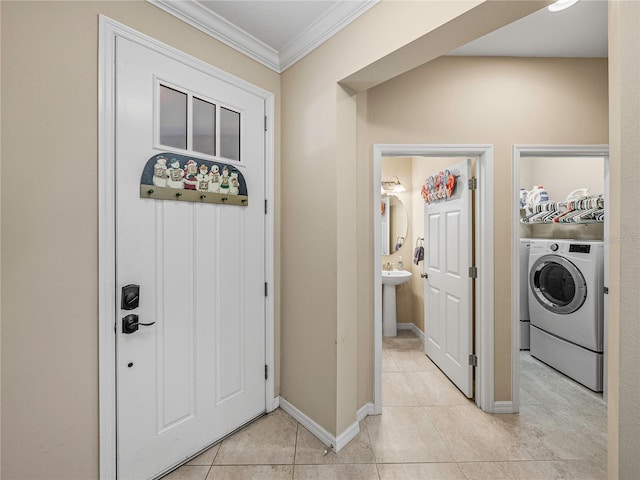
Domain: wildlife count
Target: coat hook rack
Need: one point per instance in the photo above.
(169, 176)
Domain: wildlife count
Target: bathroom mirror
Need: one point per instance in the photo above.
(394, 224)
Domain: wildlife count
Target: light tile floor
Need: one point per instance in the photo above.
(428, 430)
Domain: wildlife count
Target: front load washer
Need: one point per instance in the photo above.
(566, 288)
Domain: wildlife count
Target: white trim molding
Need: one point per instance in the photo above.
(209, 22)
(336, 443)
(519, 152)
(412, 326)
(331, 22)
(109, 30)
(503, 407)
(484, 241)
(364, 411)
(338, 17)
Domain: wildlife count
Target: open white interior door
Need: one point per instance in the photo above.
(448, 285)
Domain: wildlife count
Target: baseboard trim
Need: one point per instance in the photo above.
(347, 435)
(364, 411)
(316, 429)
(331, 441)
(412, 326)
(503, 407)
(275, 404)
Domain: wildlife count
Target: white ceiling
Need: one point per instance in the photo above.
(278, 33)
(579, 31)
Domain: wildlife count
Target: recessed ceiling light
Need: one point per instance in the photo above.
(561, 5)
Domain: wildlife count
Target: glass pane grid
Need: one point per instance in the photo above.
(188, 122)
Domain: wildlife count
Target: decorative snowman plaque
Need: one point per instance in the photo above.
(169, 176)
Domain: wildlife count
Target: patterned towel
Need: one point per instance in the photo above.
(418, 255)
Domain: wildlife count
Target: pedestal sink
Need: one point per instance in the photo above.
(390, 279)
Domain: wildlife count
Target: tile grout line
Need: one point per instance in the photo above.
(295, 452)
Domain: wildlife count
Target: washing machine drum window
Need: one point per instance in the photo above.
(557, 284)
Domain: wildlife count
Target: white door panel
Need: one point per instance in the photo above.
(448, 310)
(197, 373)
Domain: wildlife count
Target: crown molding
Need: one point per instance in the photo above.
(221, 29)
(334, 20)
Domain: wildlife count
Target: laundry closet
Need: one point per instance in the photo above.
(561, 267)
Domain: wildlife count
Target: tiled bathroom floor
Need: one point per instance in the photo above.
(428, 430)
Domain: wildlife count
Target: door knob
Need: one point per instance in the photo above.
(130, 323)
(424, 275)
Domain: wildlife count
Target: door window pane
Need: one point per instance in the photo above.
(173, 118)
(204, 127)
(229, 134)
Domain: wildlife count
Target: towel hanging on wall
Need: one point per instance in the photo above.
(418, 253)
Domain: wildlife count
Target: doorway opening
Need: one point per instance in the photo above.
(483, 246)
(584, 230)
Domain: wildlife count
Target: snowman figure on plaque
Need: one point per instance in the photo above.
(190, 172)
(203, 179)
(160, 172)
(224, 180)
(234, 183)
(214, 179)
(175, 174)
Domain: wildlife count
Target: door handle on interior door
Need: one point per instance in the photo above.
(130, 323)
(424, 275)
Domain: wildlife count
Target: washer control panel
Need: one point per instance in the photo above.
(579, 248)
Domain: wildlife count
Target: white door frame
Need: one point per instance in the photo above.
(484, 301)
(109, 31)
(522, 151)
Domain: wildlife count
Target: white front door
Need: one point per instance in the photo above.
(196, 371)
(448, 289)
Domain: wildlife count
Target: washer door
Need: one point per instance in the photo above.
(557, 284)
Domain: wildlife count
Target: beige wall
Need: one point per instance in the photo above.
(50, 222)
(49, 239)
(320, 280)
(326, 299)
(562, 175)
(499, 101)
(624, 268)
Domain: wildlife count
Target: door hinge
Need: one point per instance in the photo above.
(473, 183)
(473, 360)
(266, 289)
(473, 272)
(266, 372)
(606, 290)
(265, 123)
(265, 206)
